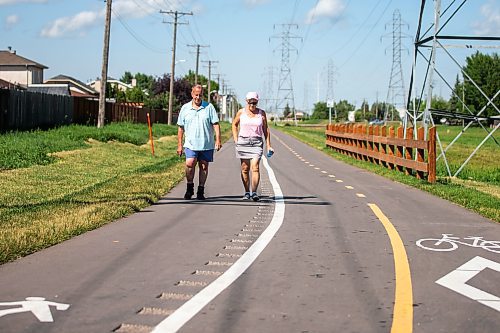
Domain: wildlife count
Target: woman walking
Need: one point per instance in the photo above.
(249, 132)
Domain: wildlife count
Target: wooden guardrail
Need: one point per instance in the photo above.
(387, 146)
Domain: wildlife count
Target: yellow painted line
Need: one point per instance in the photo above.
(402, 320)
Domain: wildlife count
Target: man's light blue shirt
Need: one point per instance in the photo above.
(198, 125)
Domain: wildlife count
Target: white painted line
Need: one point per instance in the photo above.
(360, 195)
(323, 171)
(457, 281)
(339, 181)
(311, 165)
(189, 309)
(349, 187)
(331, 176)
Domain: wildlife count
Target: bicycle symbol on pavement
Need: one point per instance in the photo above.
(450, 243)
(37, 305)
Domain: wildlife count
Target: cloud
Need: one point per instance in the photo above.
(15, 2)
(11, 21)
(74, 25)
(325, 8)
(490, 24)
(78, 24)
(253, 3)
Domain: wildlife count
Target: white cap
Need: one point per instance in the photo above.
(252, 95)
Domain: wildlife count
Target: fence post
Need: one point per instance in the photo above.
(370, 142)
(399, 147)
(420, 152)
(391, 147)
(376, 143)
(409, 151)
(383, 146)
(431, 155)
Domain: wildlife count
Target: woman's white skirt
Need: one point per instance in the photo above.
(249, 147)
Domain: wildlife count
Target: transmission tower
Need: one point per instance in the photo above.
(284, 95)
(396, 97)
(427, 44)
(305, 106)
(330, 80)
(268, 89)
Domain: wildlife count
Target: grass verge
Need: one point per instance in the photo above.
(74, 191)
(480, 197)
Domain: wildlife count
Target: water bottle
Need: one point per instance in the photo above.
(270, 153)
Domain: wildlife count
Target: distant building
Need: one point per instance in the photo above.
(19, 70)
(76, 88)
(122, 86)
(9, 85)
(52, 89)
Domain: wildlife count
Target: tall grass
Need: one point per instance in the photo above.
(25, 149)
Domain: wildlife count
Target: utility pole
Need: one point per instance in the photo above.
(210, 62)
(176, 15)
(197, 59)
(104, 73)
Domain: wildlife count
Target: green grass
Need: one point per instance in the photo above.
(481, 195)
(24, 149)
(92, 177)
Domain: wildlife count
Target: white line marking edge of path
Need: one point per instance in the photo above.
(188, 310)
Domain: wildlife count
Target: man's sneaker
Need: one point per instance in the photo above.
(246, 196)
(255, 197)
(189, 191)
(200, 194)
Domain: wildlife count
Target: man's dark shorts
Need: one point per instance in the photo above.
(200, 155)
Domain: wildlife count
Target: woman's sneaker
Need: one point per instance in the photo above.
(246, 196)
(255, 197)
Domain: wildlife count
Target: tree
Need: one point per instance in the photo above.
(182, 90)
(286, 111)
(135, 95)
(485, 71)
(127, 77)
(320, 111)
(343, 107)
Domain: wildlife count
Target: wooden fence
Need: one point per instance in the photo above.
(387, 146)
(22, 110)
(85, 112)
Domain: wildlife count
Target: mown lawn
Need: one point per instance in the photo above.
(60, 183)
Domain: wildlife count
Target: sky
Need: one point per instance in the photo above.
(336, 49)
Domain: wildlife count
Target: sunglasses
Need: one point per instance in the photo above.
(253, 103)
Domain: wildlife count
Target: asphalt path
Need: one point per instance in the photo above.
(329, 248)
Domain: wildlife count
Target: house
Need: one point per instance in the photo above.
(9, 85)
(19, 70)
(52, 89)
(76, 88)
(122, 86)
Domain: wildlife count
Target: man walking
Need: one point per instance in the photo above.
(197, 122)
